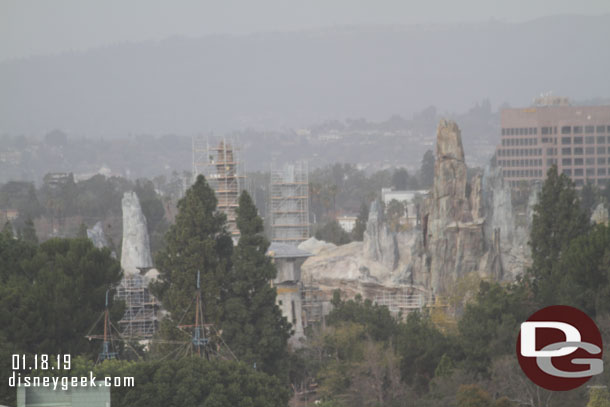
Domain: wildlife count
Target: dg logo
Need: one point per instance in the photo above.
(560, 348)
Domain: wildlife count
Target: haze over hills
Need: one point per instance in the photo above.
(277, 80)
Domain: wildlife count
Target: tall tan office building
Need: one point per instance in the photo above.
(575, 138)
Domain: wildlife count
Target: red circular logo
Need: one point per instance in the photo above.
(560, 348)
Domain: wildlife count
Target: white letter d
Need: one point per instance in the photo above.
(528, 338)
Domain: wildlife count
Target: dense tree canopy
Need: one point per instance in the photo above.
(197, 242)
(253, 325)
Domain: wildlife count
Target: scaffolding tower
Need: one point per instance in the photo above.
(289, 203)
(140, 320)
(219, 162)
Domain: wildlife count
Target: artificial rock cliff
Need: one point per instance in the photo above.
(135, 252)
(465, 226)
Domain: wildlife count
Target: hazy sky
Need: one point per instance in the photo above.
(32, 27)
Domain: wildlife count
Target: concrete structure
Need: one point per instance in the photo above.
(288, 260)
(347, 223)
(219, 162)
(575, 138)
(98, 396)
(289, 203)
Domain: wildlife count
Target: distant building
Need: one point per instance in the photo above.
(288, 260)
(9, 215)
(407, 197)
(98, 396)
(347, 223)
(575, 138)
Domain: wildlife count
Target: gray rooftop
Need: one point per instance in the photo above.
(283, 250)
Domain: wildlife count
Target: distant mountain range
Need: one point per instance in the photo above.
(278, 80)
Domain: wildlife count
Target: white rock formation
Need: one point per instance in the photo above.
(135, 251)
(97, 236)
(600, 215)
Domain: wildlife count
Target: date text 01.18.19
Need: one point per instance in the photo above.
(42, 362)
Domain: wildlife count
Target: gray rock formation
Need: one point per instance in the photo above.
(455, 241)
(465, 228)
(97, 236)
(498, 205)
(600, 215)
(135, 251)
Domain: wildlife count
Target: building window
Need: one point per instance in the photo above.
(589, 129)
(567, 172)
(601, 139)
(577, 129)
(549, 151)
(578, 161)
(590, 150)
(566, 130)
(578, 172)
(578, 151)
(601, 171)
(590, 172)
(601, 150)
(578, 140)
(579, 182)
(589, 161)
(566, 151)
(566, 161)
(566, 140)
(601, 160)
(600, 129)
(590, 140)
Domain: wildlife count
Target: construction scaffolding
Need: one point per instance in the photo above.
(140, 320)
(405, 300)
(219, 162)
(312, 299)
(289, 203)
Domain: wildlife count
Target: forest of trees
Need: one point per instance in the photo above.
(51, 293)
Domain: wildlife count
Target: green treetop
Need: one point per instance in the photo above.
(558, 219)
(198, 241)
(253, 325)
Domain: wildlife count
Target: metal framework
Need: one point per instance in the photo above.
(289, 203)
(140, 320)
(219, 162)
(312, 298)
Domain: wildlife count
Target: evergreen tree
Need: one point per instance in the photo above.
(82, 231)
(360, 226)
(253, 325)
(28, 233)
(7, 230)
(198, 241)
(426, 172)
(558, 219)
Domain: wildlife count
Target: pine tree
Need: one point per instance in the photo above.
(7, 230)
(360, 226)
(198, 241)
(253, 325)
(558, 219)
(28, 233)
(82, 231)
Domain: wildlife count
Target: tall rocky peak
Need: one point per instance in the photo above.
(135, 253)
(466, 227)
(455, 242)
(449, 191)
